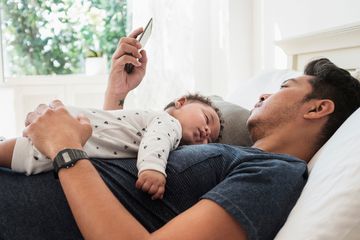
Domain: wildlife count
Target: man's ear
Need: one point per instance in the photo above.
(320, 108)
(180, 102)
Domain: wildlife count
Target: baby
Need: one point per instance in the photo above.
(147, 135)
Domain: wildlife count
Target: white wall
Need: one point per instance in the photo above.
(225, 47)
(241, 42)
(196, 45)
(223, 51)
(284, 19)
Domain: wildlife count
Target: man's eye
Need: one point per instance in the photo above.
(283, 86)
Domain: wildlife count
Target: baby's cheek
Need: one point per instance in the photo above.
(186, 138)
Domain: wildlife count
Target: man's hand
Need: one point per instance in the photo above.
(120, 82)
(152, 182)
(53, 129)
(32, 116)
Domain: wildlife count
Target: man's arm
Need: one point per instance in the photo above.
(96, 210)
(204, 221)
(100, 215)
(120, 83)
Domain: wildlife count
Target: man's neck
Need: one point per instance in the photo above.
(301, 147)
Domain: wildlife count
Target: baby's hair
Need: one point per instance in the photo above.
(196, 97)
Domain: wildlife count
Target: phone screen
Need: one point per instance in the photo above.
(144, 36)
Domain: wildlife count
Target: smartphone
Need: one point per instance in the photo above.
(142, 38)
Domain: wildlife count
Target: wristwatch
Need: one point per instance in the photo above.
(67, 158)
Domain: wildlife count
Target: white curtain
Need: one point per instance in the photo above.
(187, 40)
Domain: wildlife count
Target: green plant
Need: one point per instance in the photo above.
(92, 53)
(45, 37)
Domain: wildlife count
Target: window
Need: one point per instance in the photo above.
(47, 37)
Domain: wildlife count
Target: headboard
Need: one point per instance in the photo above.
(341, 45)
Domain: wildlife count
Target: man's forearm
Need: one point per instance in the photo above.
(97, 212)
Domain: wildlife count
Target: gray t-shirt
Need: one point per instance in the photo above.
(257, 188)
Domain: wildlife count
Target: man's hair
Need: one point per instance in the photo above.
(336, 84)
(204, 100)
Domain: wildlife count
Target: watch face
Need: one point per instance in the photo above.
(66, 157)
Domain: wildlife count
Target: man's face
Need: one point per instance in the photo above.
(281, 108)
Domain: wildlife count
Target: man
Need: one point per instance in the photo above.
(214, 191)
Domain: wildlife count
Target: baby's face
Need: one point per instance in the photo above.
(200, 123)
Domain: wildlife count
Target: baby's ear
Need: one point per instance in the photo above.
(180, 102)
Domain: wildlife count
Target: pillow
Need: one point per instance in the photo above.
(246, 95)
(356, 74)
(269, 81)
(235, 131)
(329, 206)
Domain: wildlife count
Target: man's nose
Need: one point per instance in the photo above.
(264, 96)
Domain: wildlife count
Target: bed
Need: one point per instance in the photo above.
(329, 206)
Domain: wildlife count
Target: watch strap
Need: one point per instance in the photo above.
(67, 158)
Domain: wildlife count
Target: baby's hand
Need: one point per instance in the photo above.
(152, 182)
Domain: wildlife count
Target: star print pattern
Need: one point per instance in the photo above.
(159, 140)
(147, 135)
